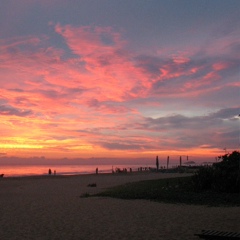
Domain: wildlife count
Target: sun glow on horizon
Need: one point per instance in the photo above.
(19, 146)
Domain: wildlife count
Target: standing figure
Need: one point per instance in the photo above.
(49, 171)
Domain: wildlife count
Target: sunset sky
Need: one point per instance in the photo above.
(119, 78)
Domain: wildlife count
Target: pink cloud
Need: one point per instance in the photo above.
(102, 68)
(102, 51)
(220, 66)
(90, 40)
(178, 59)
(211, 76)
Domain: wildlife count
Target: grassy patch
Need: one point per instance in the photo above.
(85, 195)
(172, 190)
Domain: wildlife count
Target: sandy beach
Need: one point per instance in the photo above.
(50, 207)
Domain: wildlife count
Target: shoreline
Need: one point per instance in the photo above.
(173, 170)
(133, 173)
(35, 170)
(60, 176)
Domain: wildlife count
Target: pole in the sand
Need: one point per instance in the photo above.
(167, 161)
(157, 163)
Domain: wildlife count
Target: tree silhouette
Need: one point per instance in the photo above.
(223, 176)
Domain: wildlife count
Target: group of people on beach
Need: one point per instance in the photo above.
(50, 171)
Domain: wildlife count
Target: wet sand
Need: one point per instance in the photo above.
(50, 207)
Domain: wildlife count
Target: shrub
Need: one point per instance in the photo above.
(203, 179)
(223, 176)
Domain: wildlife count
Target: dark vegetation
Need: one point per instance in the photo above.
(216, 185)
(223, 176)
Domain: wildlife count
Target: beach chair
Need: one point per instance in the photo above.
(209, 234)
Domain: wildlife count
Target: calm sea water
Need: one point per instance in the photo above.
(35, 170)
